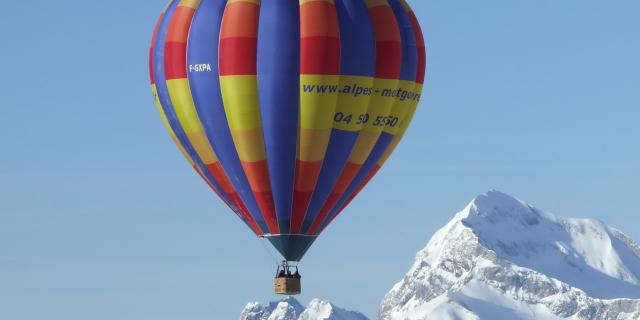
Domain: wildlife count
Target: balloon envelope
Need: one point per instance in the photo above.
(287, 108)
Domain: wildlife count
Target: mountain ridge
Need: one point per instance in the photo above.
(291, 309)
(502, 258)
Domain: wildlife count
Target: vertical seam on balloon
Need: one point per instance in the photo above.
(266, 158)
(216, 169)
(387, 73)
(293, 223)
(398, 133)
(240, 74)
(213, 166)
(274, 50)
(356, 91)
(203, 80)
(320, 66)
(420, 76)
(182, 104)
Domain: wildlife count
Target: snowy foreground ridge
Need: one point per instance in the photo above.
(291, 309)
(500, 258)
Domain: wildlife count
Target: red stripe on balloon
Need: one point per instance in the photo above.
(388, 42)
(364, 183)
(388, 59)
(175, 48)
(320, 55)
(308, 173)
(175, 60)
(258, 174)
(238, 56)
(348, 174)
(220, 176)
(231, 205)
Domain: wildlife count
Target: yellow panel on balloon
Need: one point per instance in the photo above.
(241, 103)
(353, 102)
(318, 98)
(165, 122)
(180, 94)
(405, 96)
(380, 104)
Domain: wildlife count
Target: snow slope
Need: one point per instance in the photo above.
(291, 309)
(501, 258)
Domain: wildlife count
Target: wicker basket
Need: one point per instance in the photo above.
(287, 286)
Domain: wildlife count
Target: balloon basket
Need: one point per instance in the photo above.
(287, 283)
(287, 286)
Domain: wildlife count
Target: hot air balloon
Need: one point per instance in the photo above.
(287, 108)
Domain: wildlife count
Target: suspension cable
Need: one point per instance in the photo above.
(275, 260)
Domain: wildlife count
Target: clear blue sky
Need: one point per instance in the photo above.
(101, 218)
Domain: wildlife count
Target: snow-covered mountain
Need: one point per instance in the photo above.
(291, 309)
(501, 258)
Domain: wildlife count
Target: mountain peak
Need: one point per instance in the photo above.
(496, 199)
(574, 250)
(291, 309)
(324, 310)
(494, 204)
(503, 255)
(286, 309)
